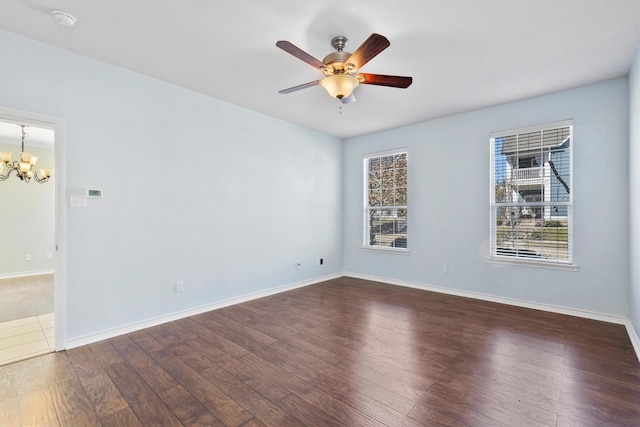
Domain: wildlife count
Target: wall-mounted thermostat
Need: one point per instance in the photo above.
(94, 194)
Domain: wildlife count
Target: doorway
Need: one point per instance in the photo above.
(32, 267)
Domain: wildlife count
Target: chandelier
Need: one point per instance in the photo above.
(25, 168)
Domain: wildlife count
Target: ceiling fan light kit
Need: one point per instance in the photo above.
(341, 68)
(339, 85)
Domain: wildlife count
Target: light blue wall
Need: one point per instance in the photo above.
(449, 202)
(195, 189)
(634, 184)
(227, 199)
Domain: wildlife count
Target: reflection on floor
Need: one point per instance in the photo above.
(25, 338)
(26, 317)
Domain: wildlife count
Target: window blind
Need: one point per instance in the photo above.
(531, 194)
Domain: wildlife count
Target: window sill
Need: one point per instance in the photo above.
(397, 251)
(532, 263)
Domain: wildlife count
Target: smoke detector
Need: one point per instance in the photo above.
(63, 18)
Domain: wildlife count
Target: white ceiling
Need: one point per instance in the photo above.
(11, 134)
(462, 54)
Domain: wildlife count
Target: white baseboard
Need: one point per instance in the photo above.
(633, 336)
(25, 274)
(620, 320)
(89, 339)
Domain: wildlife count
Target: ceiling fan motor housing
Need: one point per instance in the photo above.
(335, 63)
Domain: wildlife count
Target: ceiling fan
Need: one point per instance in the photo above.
(341, 69)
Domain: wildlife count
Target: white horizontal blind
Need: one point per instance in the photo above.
(531, 194)
(385, 210)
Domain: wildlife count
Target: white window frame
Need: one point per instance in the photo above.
(365, 211)
(514, 260)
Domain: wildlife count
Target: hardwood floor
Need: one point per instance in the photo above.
(346, 352)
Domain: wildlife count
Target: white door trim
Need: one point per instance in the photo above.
(60, 278)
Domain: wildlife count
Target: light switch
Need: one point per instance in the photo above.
(78, 202)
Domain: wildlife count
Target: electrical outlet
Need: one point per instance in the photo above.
(27, 257)
(445, 269)
(179, 286)
(298, 265)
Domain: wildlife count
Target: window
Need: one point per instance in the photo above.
(531, 194)
(385, 204)
(527, 162)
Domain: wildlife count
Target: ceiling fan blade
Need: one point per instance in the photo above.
(383, 80)
(371, 47)
(299, 53)
(300, 87)
(349, 99)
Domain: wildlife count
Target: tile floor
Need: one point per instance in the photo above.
(26, 317)
(27, 337)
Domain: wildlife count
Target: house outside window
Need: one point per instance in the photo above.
(385, 200)
(531, 195)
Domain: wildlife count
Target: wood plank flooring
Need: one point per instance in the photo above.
(346, 352)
